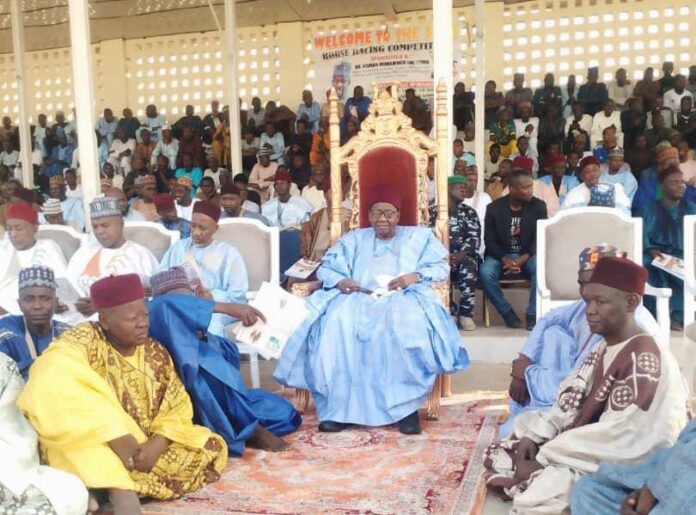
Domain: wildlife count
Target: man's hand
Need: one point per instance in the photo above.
(348, 286)
(526, 468)
(148, 453)
(402, 282)
(125, 447)
(644, 502)
(85, 306)
(248, 315)
(527, 449)
(654, 253)
(510, 266)
(518, 391)
(201, 291)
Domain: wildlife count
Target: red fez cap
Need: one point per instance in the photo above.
(385, 193)
(24, 212)
(586, 161)
(620, 273)
(282, 175)
(116, 290)
(207, 208)
(230, 189)
(663, 174)
(326, 184)
(557, 159)
(164, 202)
(523, 163)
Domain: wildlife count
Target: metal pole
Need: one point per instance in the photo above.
(480, 104)
(20, 74)
(83, 86)
(232, 94)
(443, 56)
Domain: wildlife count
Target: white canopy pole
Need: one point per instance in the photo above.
(20, 75)
(480, 109)
(443, 56)
(83, 87)
(232, 92)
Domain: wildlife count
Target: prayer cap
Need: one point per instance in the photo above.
(164, 202)
(166, 128)
(230, 189)
(172, 279)
(57, 179)
(616, 152)
(385, 193)
(24, 212)
(52, 207)
(663, 174)
(282, 175)
(36, 276)
(523, 163)
(590, 255)
(456, 179)
(620, 273)
(557, 159)
(666, 153)
(185, 182)
(102, 207)
(587, 161)
(145, 180)
(116, 290)
(207, 208)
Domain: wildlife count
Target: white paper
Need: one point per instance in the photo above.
(284, 313)
(382, 289)
(302, 268)
(670, 264)
(65, 292)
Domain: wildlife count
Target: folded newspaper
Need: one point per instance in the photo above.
(302, 268)
(284, 313)
(670, 264)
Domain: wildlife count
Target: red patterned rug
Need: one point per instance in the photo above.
(361, 470)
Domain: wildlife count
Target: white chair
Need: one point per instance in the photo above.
(67, 238)
(689, 269)
(259, 246)
(153, 236)
(561, 239)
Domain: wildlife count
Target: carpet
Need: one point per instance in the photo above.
(361, 470)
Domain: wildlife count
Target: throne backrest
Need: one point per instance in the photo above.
(153, 236)
(67, 238)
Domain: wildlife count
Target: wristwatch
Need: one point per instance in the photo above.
(420, 277)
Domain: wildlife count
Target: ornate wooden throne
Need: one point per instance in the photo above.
(388, 150)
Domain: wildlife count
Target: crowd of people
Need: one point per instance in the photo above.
(146, 344)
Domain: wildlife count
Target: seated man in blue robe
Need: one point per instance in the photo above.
(376, 335)
(560, 342)
(23, 337)
(662, 484)
(209, 367)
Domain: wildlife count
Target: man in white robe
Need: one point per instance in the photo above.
(590, 190)
(21, 249)
(285, 210)
(108, 253)
(73, 212)
(624, 401)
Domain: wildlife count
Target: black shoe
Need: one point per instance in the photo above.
(410, 425)
(530, 322)
(328, 426)
(512, 320)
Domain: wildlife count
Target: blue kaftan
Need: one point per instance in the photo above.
(367, 361)
(559, 342)
(209, 370)
(669, 473)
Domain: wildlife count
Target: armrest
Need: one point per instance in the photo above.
(441, 288)
(305, 289)
(662, 296)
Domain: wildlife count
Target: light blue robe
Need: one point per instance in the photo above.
(561, 340)
(373, 362)
(567, 183)
(625, 178)
(669, 473)
(221, 270)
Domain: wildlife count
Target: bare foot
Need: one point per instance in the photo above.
(265, 440)
(125, 502)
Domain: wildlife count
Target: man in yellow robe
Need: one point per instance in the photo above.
(109, 407)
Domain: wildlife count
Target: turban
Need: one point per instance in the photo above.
(385, 193)
(590, 255)
(523, 163)
(57, 179)
(116, 290)
(664, 173)
(207, 208)
(616, 152)
(282, 175)
(621, 274)
(22, 212)
(104, 206)
(172, 279)
(326, 184)
(164, 202)
(587, 161)
(665, 154)
(52, 206)
(230, 189)
(36, 276)
(184, 181)
(556, 159)
(456, 179)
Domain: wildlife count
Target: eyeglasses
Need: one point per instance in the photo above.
(389, 214)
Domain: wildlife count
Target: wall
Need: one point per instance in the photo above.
(275, 61)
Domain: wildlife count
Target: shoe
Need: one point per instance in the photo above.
(512, 320)
(676, 325)
(467, 323)
(410, 425)
(530, 322)
(328, 426)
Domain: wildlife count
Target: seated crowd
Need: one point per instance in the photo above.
(145, 343)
